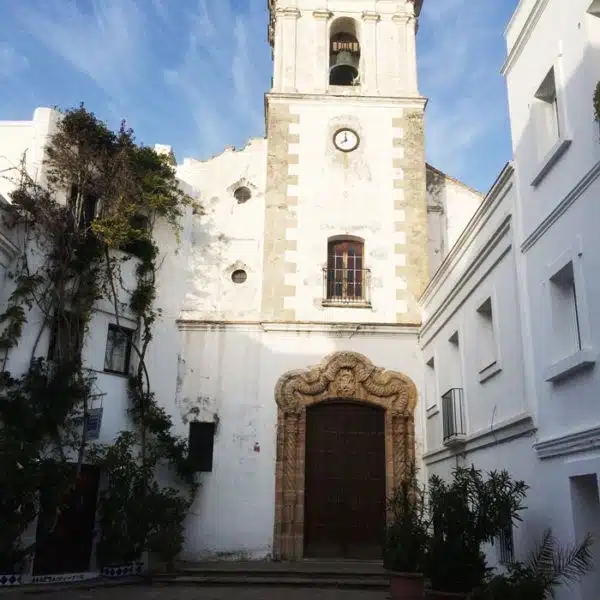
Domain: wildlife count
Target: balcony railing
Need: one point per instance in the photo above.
(453, 417)
(346, 287)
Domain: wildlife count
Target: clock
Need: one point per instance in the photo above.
(346, 139)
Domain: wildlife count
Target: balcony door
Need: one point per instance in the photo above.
(345, 271)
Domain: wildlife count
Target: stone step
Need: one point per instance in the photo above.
(312, 580)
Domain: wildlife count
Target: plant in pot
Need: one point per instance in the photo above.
(466, 513)
(548, 566)
(406, 538)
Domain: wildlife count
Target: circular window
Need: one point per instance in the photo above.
(242, 194)
(239, 276)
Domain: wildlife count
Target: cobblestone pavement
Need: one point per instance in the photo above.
(203, 593)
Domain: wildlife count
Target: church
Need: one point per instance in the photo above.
(300, 321)
(341, 308)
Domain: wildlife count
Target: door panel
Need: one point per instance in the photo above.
(345, 481)
(67, 549)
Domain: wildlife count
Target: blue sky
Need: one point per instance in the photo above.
(192, 73)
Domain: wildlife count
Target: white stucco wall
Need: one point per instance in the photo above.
(228, 236)
(345, 194)
(229, 374)
(450, 206)
(480, 266)
(567, 38)
(24, 140)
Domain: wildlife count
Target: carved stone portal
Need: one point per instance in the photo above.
(342, 375)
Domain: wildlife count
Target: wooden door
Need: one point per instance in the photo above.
(345, 487)
(67, 549)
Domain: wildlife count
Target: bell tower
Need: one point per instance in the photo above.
(323, 43)
(346, 214)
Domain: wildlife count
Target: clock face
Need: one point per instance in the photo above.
(346, 140)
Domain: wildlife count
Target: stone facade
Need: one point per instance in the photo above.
(340, 375)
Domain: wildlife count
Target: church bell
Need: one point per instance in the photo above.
(344, 71)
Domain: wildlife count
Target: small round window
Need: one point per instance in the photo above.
(242, 194)
(239, 276)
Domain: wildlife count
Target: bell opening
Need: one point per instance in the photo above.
(344, 53)
(343, 75)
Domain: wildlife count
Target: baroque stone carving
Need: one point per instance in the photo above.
(342, 375)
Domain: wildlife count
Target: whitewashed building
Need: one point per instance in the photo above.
(340, 306)
(290, 316)
(511, 324)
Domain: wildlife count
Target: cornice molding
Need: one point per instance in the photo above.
(490, 203)
(578, 441)
(288, 12)
(503, 230)
(400, 102)
(350, 329)
(525, 34)
(562, 207)
(322, 13)
(370, 16)
(520, 425)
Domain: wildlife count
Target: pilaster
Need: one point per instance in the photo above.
(369, 51)
(288, 17)
(322, 17)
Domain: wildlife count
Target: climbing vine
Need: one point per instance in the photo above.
(96, 208)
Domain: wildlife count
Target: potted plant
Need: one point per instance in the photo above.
(548, 567)
(464, 514)
(406, 539)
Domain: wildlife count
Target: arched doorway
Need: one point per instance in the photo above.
(344, 493)
(389, 399)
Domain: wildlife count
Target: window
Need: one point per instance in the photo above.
(345, 276)
(505, 546)
(430, 386)
(344, 53)
(565, 317)
(118, 350)
(487, 354)
(239, 276)
(201, 444)
(569, 344)
(547, 119)
(88, 209)
(453, 417)
(242, 194)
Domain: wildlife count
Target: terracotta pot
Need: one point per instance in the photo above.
(435, 595)
(406, 586)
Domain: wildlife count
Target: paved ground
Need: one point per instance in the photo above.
(201, 593)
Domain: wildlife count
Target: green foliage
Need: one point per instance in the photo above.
(407, 531)
(549, 566)
(103, 195)
(465, 513)
(136, 513)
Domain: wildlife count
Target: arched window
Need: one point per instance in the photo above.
(344, 53)
(346, 275)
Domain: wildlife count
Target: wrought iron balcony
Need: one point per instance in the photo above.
(346, 287)
(453, 415)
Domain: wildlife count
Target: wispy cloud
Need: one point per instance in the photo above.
(461, 50)
(193, 73)
(101, 39)
(221, 76)
(11, 62)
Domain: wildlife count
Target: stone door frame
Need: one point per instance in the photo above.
(341, 375)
